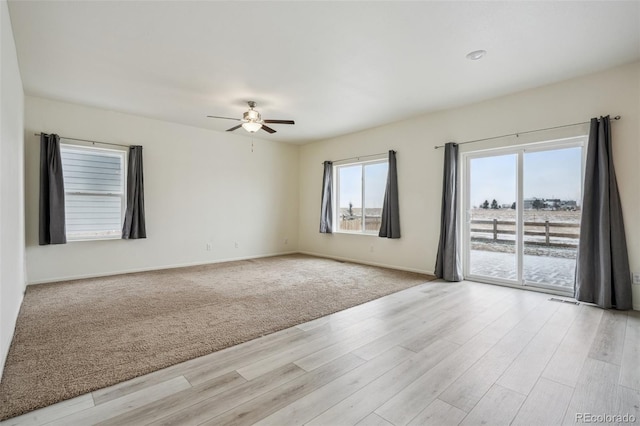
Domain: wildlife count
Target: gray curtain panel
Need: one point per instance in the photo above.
(390, 225)
(326, 204)
(134, 223)
(448, 265)
(52, 217)
(602, 266)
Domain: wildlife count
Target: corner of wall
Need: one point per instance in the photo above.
(12, 245)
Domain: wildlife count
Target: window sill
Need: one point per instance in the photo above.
(367, 234)
(79, 240)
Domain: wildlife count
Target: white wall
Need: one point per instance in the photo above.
(616, 91)
(12, 263)
(201, 187)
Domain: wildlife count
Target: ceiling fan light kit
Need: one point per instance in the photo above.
(252, 126)
(252, 121)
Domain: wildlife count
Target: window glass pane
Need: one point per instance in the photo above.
(350, 198)
(93, 216)
(375, 182)
(552, 196)
(492, 194)
(91, 172)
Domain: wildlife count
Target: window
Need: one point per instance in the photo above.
(94, 192)
(360, 194)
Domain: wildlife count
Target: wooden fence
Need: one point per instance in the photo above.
(372, 223)
(538, 230)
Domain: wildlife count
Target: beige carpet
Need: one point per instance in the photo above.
(78, 336)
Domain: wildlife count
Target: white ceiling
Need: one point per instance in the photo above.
(333, 67)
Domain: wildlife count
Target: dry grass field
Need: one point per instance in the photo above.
(529, 215)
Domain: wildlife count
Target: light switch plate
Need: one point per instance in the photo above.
(636, 278)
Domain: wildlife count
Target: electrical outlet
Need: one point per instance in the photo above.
(208, 246)
(286, 241)
(636, 277)
(237, 245)
(371, 249)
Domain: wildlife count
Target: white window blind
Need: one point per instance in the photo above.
(94, 192)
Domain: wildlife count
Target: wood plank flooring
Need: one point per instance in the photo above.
(436, 354)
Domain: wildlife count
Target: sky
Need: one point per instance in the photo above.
(351, 185)
(546, 174)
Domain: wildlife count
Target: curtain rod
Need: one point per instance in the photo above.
(86, 140)
(358, 157)
(617, 117)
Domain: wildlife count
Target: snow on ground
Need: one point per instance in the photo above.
(537, 269)
(542, 264)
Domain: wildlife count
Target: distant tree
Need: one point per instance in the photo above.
(350, 210)
(485, 205)
(494, 205)
(513, 206)
(537, 204)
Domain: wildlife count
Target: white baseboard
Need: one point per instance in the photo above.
(155, 268)
(364, 262)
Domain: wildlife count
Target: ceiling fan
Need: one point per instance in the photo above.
(252, 121)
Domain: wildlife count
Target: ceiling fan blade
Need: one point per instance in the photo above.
(268, 129)
(280, 121)
(224, 118)
(234, 128)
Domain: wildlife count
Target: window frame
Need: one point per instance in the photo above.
(374, 159)
(123, 154)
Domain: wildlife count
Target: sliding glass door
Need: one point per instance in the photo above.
(522, 210)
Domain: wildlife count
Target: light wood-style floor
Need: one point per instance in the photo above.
(440, 353)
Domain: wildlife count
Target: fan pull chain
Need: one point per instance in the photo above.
(251, 143)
